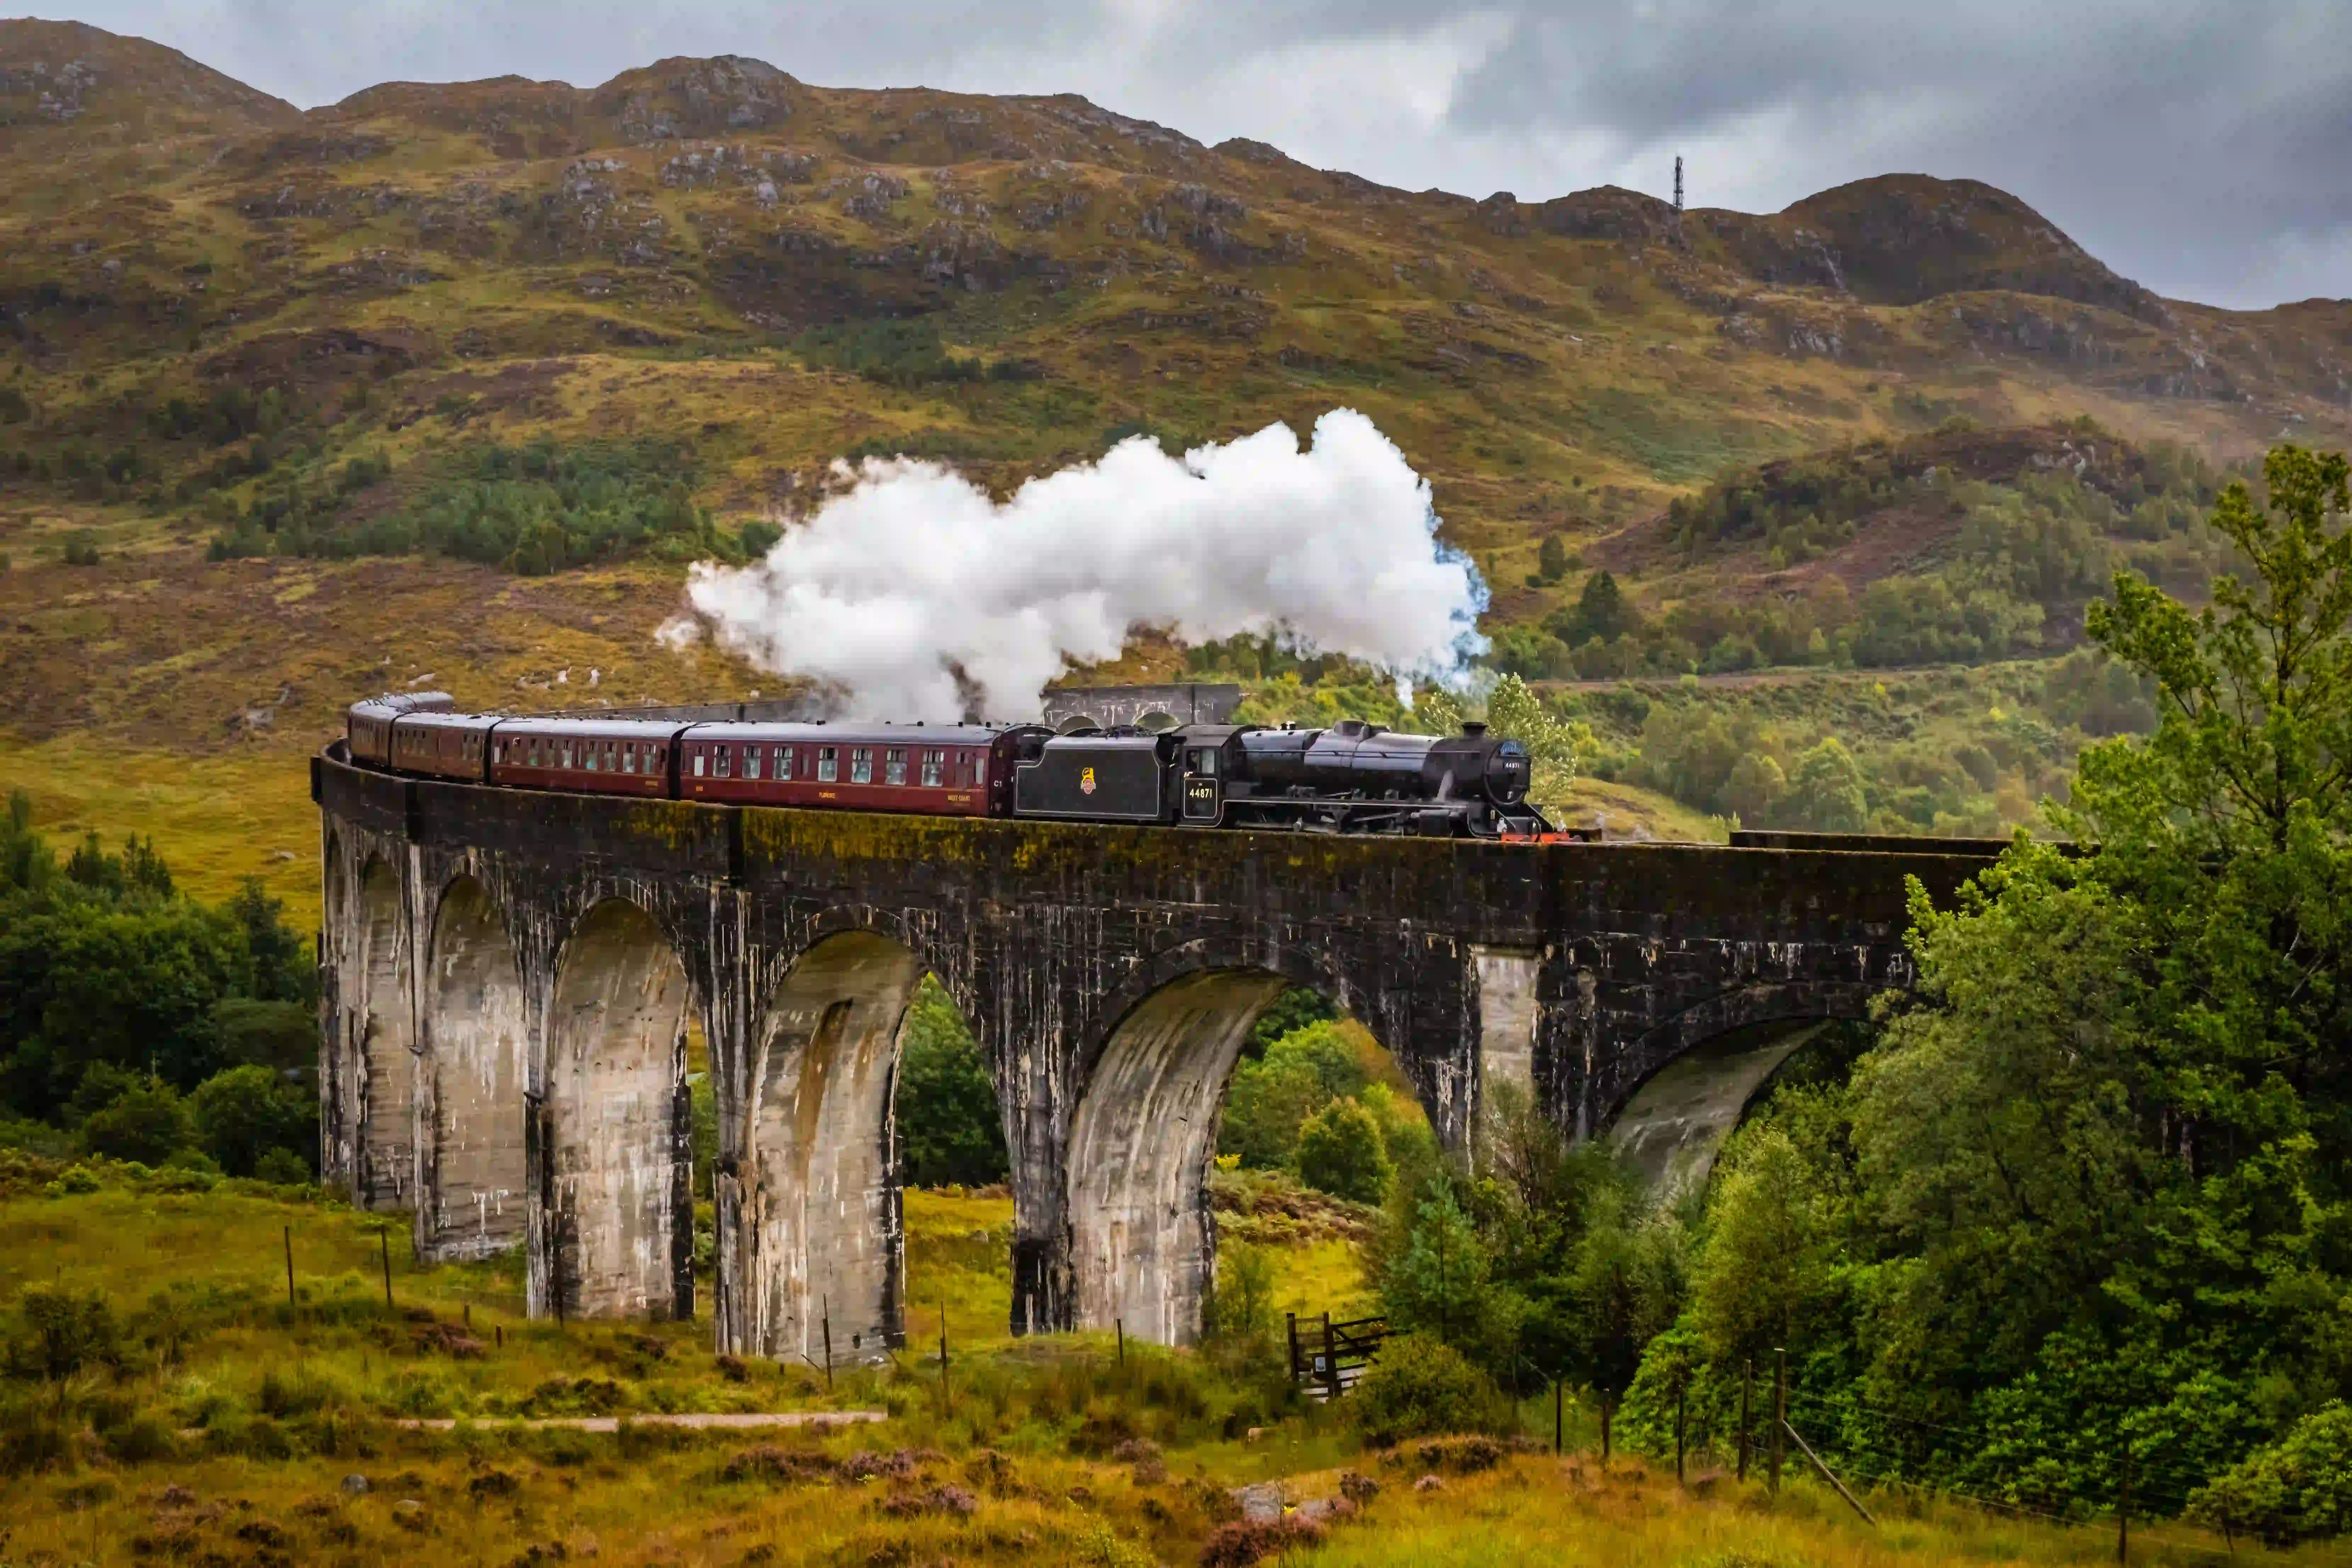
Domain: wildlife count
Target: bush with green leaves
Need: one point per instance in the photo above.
(247, 1113)
(146, 1122)
(1341, 1152)
(2298, 1488)
(59, 1331)
(1272, 1098)
(1420, 1386)
(950, 1130)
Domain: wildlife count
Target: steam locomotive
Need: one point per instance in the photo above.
(1351, 777)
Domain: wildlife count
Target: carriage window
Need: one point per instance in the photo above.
(750, 762)
(861, 764)
(934, 769)
(591, 756)
(565, 754)
(698, 762)
(629, 757)
(828, 765)
(783, 761)
(894, 766)
(726, 758)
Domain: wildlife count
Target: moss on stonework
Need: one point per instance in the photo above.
(673, 824)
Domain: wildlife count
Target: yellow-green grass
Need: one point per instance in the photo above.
(1634, 1515)
(216, 817)
(1627, 810)
(256, 1487)
(959, 1256)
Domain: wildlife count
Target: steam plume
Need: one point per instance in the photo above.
(913, 588)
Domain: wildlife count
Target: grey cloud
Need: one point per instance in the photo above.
(2201, 146)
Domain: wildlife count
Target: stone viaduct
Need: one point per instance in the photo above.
(510, 980)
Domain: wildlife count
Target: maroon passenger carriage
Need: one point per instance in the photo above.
(595, 756)
(945, 770)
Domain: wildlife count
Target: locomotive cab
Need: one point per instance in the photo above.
(1207, 756)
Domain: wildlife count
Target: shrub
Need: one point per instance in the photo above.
(1241, 1305)
(1419, 1387)
(1341, 1152)
(146, 1123)
(60, 1333)
(247, 1111)
(758, 537)
(2298, 1488)
(282, 1167)
(1270, 1098)
(947, 1115)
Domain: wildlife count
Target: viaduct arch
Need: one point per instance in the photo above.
(1110, 975)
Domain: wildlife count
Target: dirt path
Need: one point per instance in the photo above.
(699, 1422)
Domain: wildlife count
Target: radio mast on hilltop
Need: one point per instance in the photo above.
(1678, 184)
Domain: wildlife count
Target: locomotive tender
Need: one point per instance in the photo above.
(1352, 777)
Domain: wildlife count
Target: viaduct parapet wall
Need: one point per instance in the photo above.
(511, 980)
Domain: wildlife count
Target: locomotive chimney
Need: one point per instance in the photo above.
(1474, 728)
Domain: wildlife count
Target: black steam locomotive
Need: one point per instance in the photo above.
(1352, 777)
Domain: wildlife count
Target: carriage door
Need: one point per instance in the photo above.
(1202, 797)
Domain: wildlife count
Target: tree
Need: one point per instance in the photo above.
(1270, 1098)
(1297, 1007)
(1824, 792)
(1340, 1152)
(1763, 1262)
(1441, 1283)
(1627, 1280)
(1600, 614)
(1755, 785)
(949, 1128)
(1551, 558)
(279, 972)
(146, 1123)
(2099, 1156)
(245, 1112)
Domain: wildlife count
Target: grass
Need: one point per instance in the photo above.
(257, 1421)
(217, 818)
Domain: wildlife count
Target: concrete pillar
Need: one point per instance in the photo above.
(383, 1069)
(818, 1221)
(617, 1145)
(1507, 1017)
(473, 1175)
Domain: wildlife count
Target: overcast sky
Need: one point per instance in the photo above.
(2203, 147)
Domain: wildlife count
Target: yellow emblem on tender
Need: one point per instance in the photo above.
(1087, 782)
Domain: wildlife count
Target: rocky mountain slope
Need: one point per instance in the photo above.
(211, 303)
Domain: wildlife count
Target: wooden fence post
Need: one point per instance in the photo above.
(2123, 1510)
(1747, 1389)
(1779, 1408)
(1682, 1398)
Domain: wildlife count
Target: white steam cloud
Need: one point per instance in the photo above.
(915, 576)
